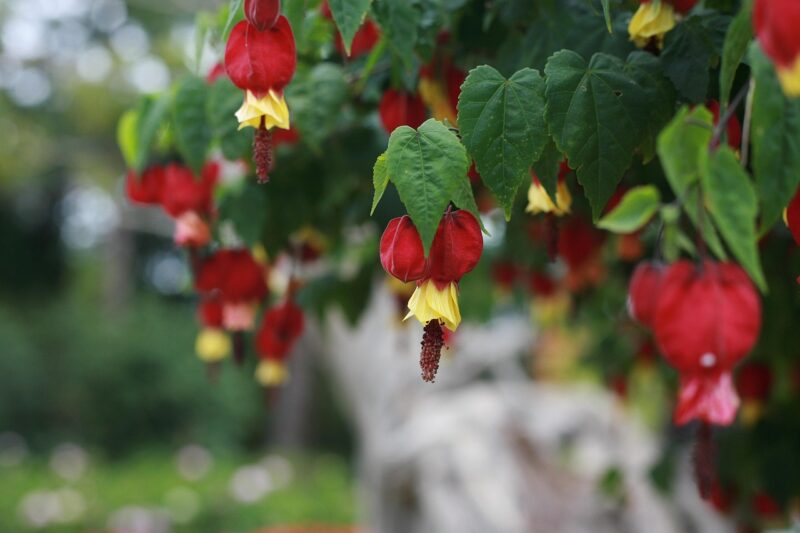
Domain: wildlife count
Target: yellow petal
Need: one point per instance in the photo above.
(272, 107)
(213, 345)
(434, 95)
(271, 373)
(540, 202)
(790, 78)
(653, 19)
(429, 303)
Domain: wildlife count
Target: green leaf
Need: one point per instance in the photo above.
(464, 198)
(634, 211)
(739, 35)
(224, 99)
(316, 100)
(349, 15)
(399, 21)
(502, 124)
(775, 130)
(244, 208)
(152, 113)
(688, 51)
(548, 167)
(595, 113)
(731, 200)
(607, 15)
(426, 165)
(192, 132)
(127, 136)
(235, 14)
(683, 151)
(647, 71)
(380, 179)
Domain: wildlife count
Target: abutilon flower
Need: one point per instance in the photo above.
(364, 40)
(706, 320)
(754, 384)
(655, 18)
(213, 344)
(440, 86)
(579, 245)
(643, 292)
(776, 23)
(190, 201)
(540, 202)
(456, 250)
(399, 108)
(281, 328)
(147, 188)
(239, 281)
(260, 59)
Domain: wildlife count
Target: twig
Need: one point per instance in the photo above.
(748, 119)
(726, 117)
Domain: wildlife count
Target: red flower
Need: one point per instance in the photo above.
(505, 274)
(793, 217)
(456, 248)
(263, 14)
(578, 242)
(754, 382)
(210, 312)
(776, 23)
(402, 254)
(683, 6)
(147, 188)
(401, 109)
(706, 320)
(287, 137)
(643, 292)
(216, 72)
(261, 61)
(280, 329)
(182, 192)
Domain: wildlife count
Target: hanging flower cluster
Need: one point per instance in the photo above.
(540, 202)
(655, 18)
(260, 59)
(705, 318)
(776, 23)
(456, 250)
(280, 329)
(185, 197)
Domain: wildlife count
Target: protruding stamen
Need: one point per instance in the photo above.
(432, 344)
(262, 153)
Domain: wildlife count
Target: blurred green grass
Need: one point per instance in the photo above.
(320, 491)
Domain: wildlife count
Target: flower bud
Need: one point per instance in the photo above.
(402, 254)
(643, 292)
(456, 249)
(261, 61)
(262, 13)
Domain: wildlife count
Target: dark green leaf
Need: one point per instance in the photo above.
(192, 132)
(595, 114)
(502, 125)
(634, 211)
(607, 15)
(153, 112)
(426, 165)
(687, 55)
(739, 35)
(349, 15)
(548, 166)
(316, 100)
(646, 70)
(224, 99)
(399, 21)
(775, 132)
(731, 200)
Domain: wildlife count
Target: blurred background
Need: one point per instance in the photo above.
(109, 423)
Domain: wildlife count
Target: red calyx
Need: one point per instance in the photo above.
(263, 14)
(402, 254)
(210, 312)
(183, 192)
(456, 248)
(147, 188)
(260, 61)
(280, 329)
(643, 292)
(216, 72)
(710, 310)
(401, 109)
(793, 217)
(232, 274)
(683, 6)
(775, 23)
(578, 241)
